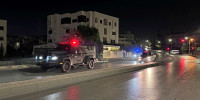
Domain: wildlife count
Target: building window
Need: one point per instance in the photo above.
(96, 20)
(113, 33)
(50, 31)
(1, 28)
(109, 23)
(1, 38)
(100, 21)
(66, 20)
(81, 18)
(50, 40)
(74, 20)
(112, 41)
(104, 40)
(115, 24)
(67, 30)
(87, 19)
(105, 21)
(105, 31)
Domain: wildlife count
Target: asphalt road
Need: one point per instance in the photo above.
(176, 80)
(36, 72)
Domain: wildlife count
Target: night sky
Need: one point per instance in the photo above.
(141, 17)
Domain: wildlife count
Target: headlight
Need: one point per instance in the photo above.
(40, 57)
(36, 57)
(54, 58)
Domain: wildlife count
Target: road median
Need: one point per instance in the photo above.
(35, 85)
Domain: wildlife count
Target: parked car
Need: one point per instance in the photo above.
(174, 52)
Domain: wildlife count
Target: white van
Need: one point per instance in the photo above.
(174, 52)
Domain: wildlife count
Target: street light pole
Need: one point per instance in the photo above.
(171, 45)
(170, 40)
(189, 46)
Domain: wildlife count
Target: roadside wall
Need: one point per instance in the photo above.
(116, 54)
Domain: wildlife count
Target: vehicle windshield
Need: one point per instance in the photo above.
(144, 54)
(63, 47)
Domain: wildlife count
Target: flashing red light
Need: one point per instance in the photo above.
(74, 42)
(168, 49)
(64, 43)
(192, 48)
(146, 51)
(182, 40)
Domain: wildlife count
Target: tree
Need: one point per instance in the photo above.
(91, 36)
(184, 48)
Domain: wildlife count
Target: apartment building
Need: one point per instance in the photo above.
(3, 36)
(59, 25)
(126, 39)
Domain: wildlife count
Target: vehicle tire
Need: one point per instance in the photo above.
(66, 67)
(43, 68)
(90, 64)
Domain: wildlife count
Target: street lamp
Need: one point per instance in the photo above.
(186, 38)
(147, 40)
(170, 40)
(159, 42)
(191, 40)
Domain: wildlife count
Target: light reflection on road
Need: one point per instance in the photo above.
(176, 80)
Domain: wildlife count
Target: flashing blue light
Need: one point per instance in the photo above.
(137, 50)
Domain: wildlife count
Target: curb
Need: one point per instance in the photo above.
(15, 67)
(12, 89)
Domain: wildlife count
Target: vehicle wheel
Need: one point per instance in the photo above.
(43, 68)
(90, 64)
(66, 67)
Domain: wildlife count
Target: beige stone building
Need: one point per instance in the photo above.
(59, 25)
(3, 35)
(126, 39)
